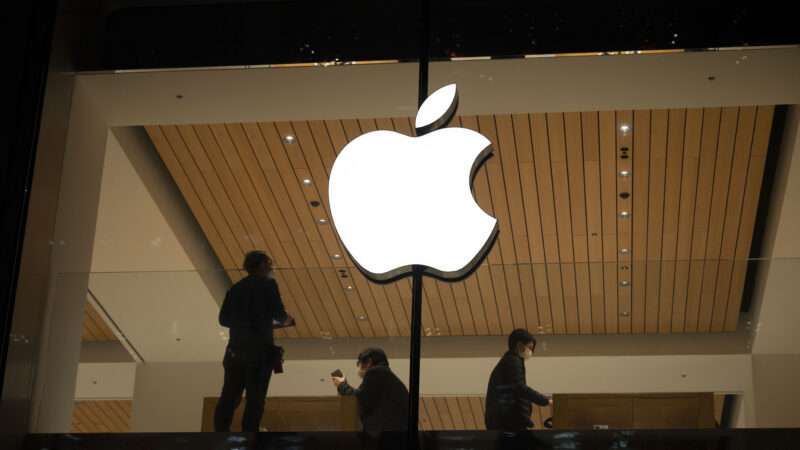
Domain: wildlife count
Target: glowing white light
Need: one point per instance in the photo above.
(307, 181)
(398, 201)
(436, 107)
(624, 173)
(625, 128)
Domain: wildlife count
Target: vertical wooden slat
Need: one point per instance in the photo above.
(444, 293)
(733, 214)
(288, 158)
(338, 286)
(594, 218)
(638, 216)
(297, 306)
(466, 414)
(558, 165)
(501, 312)
(655, 216)
(207, 147)
(573, 134)
(624, 226)
(708, 157)
(544, 180)
(256, 154)
(464, 307)
(672, 197)
(217, 237)
(755, 173)
(476, 404)
(540, 299)
(230, 141)
(511, 173)
(686, 216)
(433, 414)
(719, 200)
(455, 413)
(609, 175)
(498, 188)
(478, 306)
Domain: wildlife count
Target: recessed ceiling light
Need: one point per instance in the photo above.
(624, 251)
(624, 173)
(625, 314)
(289, 139)
(336, 256)
(362, 317)
(323, 221)
(307, 181)
(624, 283)
(349, 287)
(625, 128)
(624, 214)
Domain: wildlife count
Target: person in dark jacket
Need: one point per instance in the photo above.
(508, 397)
(251, 310)
(382, 397)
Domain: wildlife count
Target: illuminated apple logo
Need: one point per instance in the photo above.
(399, 201)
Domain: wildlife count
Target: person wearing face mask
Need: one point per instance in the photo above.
(382, 397)
(508, 398)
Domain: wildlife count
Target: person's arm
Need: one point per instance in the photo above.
(225, 311)
(343, 387)
(370, 392)
(276, 305)
(516, 370)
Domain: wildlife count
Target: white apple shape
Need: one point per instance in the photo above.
(399, 201)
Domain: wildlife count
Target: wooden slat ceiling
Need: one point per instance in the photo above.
(555, 187)
(94, 327)
(464, 413)
(101, 416)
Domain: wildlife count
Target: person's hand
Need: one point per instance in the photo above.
(338, 380)
(289, 322)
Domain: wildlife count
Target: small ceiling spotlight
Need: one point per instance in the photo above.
(289, 139)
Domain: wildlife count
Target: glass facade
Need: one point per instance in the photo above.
(641, 276)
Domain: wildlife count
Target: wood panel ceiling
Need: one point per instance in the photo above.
(568, 259)
(101, 416)
(464, 413)
(95, 328)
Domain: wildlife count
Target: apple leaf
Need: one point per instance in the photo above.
(437, 109)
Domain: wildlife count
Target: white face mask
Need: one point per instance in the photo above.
(527, 353)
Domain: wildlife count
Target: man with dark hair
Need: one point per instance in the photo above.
(251, 310)
(508, 397)
(382, 397)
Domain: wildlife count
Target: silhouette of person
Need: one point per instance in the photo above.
(508, 398)
(251, 310)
